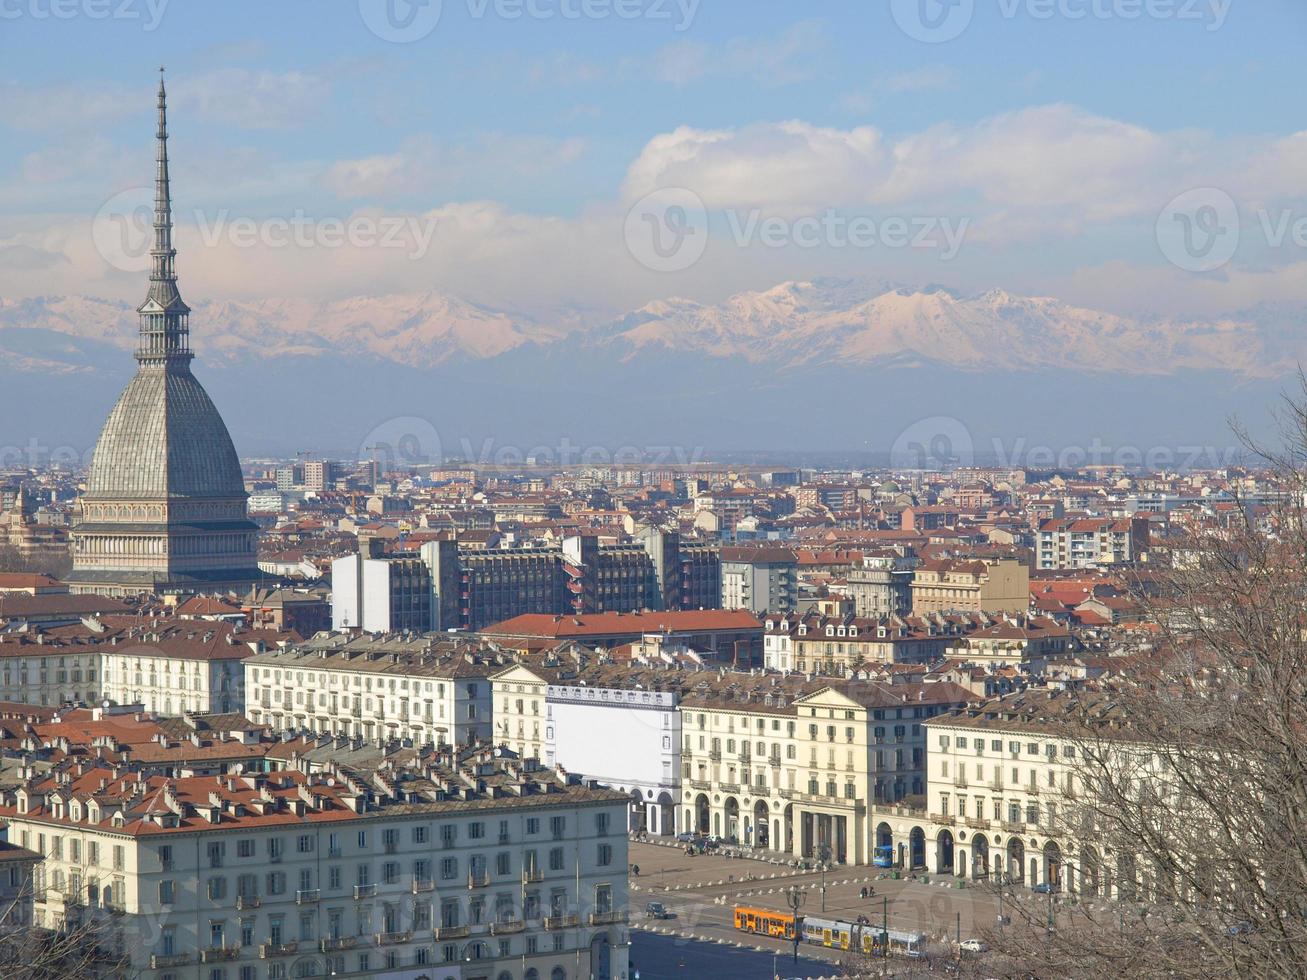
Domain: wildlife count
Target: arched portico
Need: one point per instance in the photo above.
(944, 853)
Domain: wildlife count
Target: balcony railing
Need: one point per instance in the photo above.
(532, 876)
(478, 880)
(450, 932)
(216, 954)
(607, 918)
(365, 891)
(946, 819)
(307, 896)
(337, 944)
(421, 885)
(269, 950)
(561, 921)
(244, 902)
(393, 938)
(163, 962)
(505, 926)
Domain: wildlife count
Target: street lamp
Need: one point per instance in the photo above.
(794, 897)
(823, 853)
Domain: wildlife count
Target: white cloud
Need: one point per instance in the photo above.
(251, 99)
(423, 166)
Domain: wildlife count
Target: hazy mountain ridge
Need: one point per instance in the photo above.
(790, 325)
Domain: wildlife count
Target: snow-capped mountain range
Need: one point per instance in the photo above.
(792, 324)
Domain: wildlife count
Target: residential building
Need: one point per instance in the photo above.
(988, 585)
(882, 584)
(427, 689)
(382, 594)
(465, 862)
(1089, 542)
(795, 766)
(759, 579)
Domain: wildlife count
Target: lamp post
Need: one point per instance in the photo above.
(794, 898)
(823, 852)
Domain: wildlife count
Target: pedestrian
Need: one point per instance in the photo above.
(635, 870)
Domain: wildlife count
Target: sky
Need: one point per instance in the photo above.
(584, 157)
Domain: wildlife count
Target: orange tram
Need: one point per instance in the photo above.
(765, 922)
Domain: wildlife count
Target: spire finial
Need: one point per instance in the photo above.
(164, 331)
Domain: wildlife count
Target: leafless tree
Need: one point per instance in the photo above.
(87, 945)
(1191, 810)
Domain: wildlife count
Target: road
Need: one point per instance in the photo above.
(702, 891)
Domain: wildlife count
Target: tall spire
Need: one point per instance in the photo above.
(164, 331)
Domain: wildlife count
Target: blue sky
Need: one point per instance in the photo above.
(1056, 131)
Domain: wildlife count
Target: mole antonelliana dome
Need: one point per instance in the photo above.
(165, 503)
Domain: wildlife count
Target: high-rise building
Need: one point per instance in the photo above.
(165, 503)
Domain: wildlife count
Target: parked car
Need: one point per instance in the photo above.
(656, 910)
(1044, 888)
(973, 946)
(713, 843)
(686, 836)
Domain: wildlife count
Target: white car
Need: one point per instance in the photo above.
(973, 946)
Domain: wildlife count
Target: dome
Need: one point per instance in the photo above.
(165, 439)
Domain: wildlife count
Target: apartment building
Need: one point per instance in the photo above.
(971, 585)
(553, 710)
(1029, 641)
(466, 866)
(796, 766)
(428, 689)
(759, 579)
(882, 584)
(838, 645)
(1002, 787)
(382, 594)
(1089, 542)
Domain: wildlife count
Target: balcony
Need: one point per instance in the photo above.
(976, 823)
(421, 885)
(335, 852)
(159, 962)
(715, 755)
(561, 921)
(450, 932)
(532, 876)
(700, 784)
(730, 787)
(478, 880)
(216, 954)
(393, 938)
(774, 761)
(365, 891)
(337, 944)
(244, 902)
(270, 950)
(308, 896)
(944, 819)
(1013, 826)
(506, 926)
(607, 918)
(960, 782)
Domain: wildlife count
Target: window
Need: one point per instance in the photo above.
(555, 859)
(557, 827)
(167, 891)
(304, 845)
(217, 888)
(605, 856)
(245, 848)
